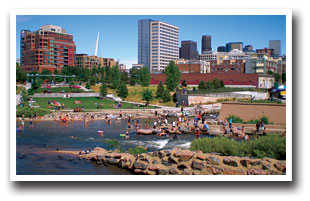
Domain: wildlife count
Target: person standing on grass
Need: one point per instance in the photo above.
(257, 127)
(230, 122)
(262, 126)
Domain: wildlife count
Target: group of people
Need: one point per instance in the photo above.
(260, 127)
(56, 105)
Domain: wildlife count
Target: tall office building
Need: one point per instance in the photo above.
(50, 48)
(234, 45)
(188, 50)
(206, 44)
(144, 42)
(159, 42)
(276, 46)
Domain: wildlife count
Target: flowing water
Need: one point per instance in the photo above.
(33, 146)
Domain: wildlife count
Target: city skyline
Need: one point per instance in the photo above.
(119, 33)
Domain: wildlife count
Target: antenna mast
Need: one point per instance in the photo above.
(96, 49)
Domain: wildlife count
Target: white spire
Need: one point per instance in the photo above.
(96, 49)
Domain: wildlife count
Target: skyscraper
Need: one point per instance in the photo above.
(159, 42)
(206, 44)
(188, 50)
(234, 45)
(144, 42)
(276, 46)
(49, 48)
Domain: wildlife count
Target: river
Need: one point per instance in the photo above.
(33, 146)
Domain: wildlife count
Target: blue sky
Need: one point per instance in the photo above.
(119, 33)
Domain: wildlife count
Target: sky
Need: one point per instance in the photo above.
(119, 33)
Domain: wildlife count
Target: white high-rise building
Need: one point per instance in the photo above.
(164, 45)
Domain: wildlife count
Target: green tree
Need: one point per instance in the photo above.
(173, 76)
(222, 84)
(184, 83)
(87, 85)
(269, 72)
(283, 77)
(145, 77)
(216, 83)
(160, 90)
(107, 75)
(20, 75)
(166, 97)
(103, 89)
(115, 78)
(92, 81)
(134, 76)
(277, 77)
(147, 95)
(122, 90)
(202, 85)
(124, 77)
(209, 84)
(46, 72)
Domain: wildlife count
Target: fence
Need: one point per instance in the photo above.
(62, 95)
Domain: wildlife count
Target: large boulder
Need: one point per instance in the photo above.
(184, 155)
(140, 165)
(230, 162)
(198, 165)
(281, 166)
(213, 160)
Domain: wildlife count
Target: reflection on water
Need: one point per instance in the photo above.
(32, 145)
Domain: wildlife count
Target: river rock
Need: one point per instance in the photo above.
(184, 155)
(153, 167)
(256, 162)
(229, 171)
(230, 162)
(198, 165)
(184, 166)
(139, 171)
(112, 161)
(266, 165)
(140, 165)
(165, 162)
(215, 170)
(213, 160)
(163, 171)
(256, 171)
(281, 166)
(245, 162)
(150, 172)
(174, 171)
(187, 172)
(172, 159)
(201, 155)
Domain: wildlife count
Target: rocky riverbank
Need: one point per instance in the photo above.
(184, 162)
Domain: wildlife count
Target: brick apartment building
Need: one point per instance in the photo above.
(50, 48)
(227, 66)
(88, 62)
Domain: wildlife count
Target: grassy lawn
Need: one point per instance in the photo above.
(89, 103)
(134, 94)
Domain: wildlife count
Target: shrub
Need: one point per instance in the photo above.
(160, 90)
(166, 97)
(137, 150)
(202, 85)
(272, 146)
(235, 119)
(122, 90)
(265, 120)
